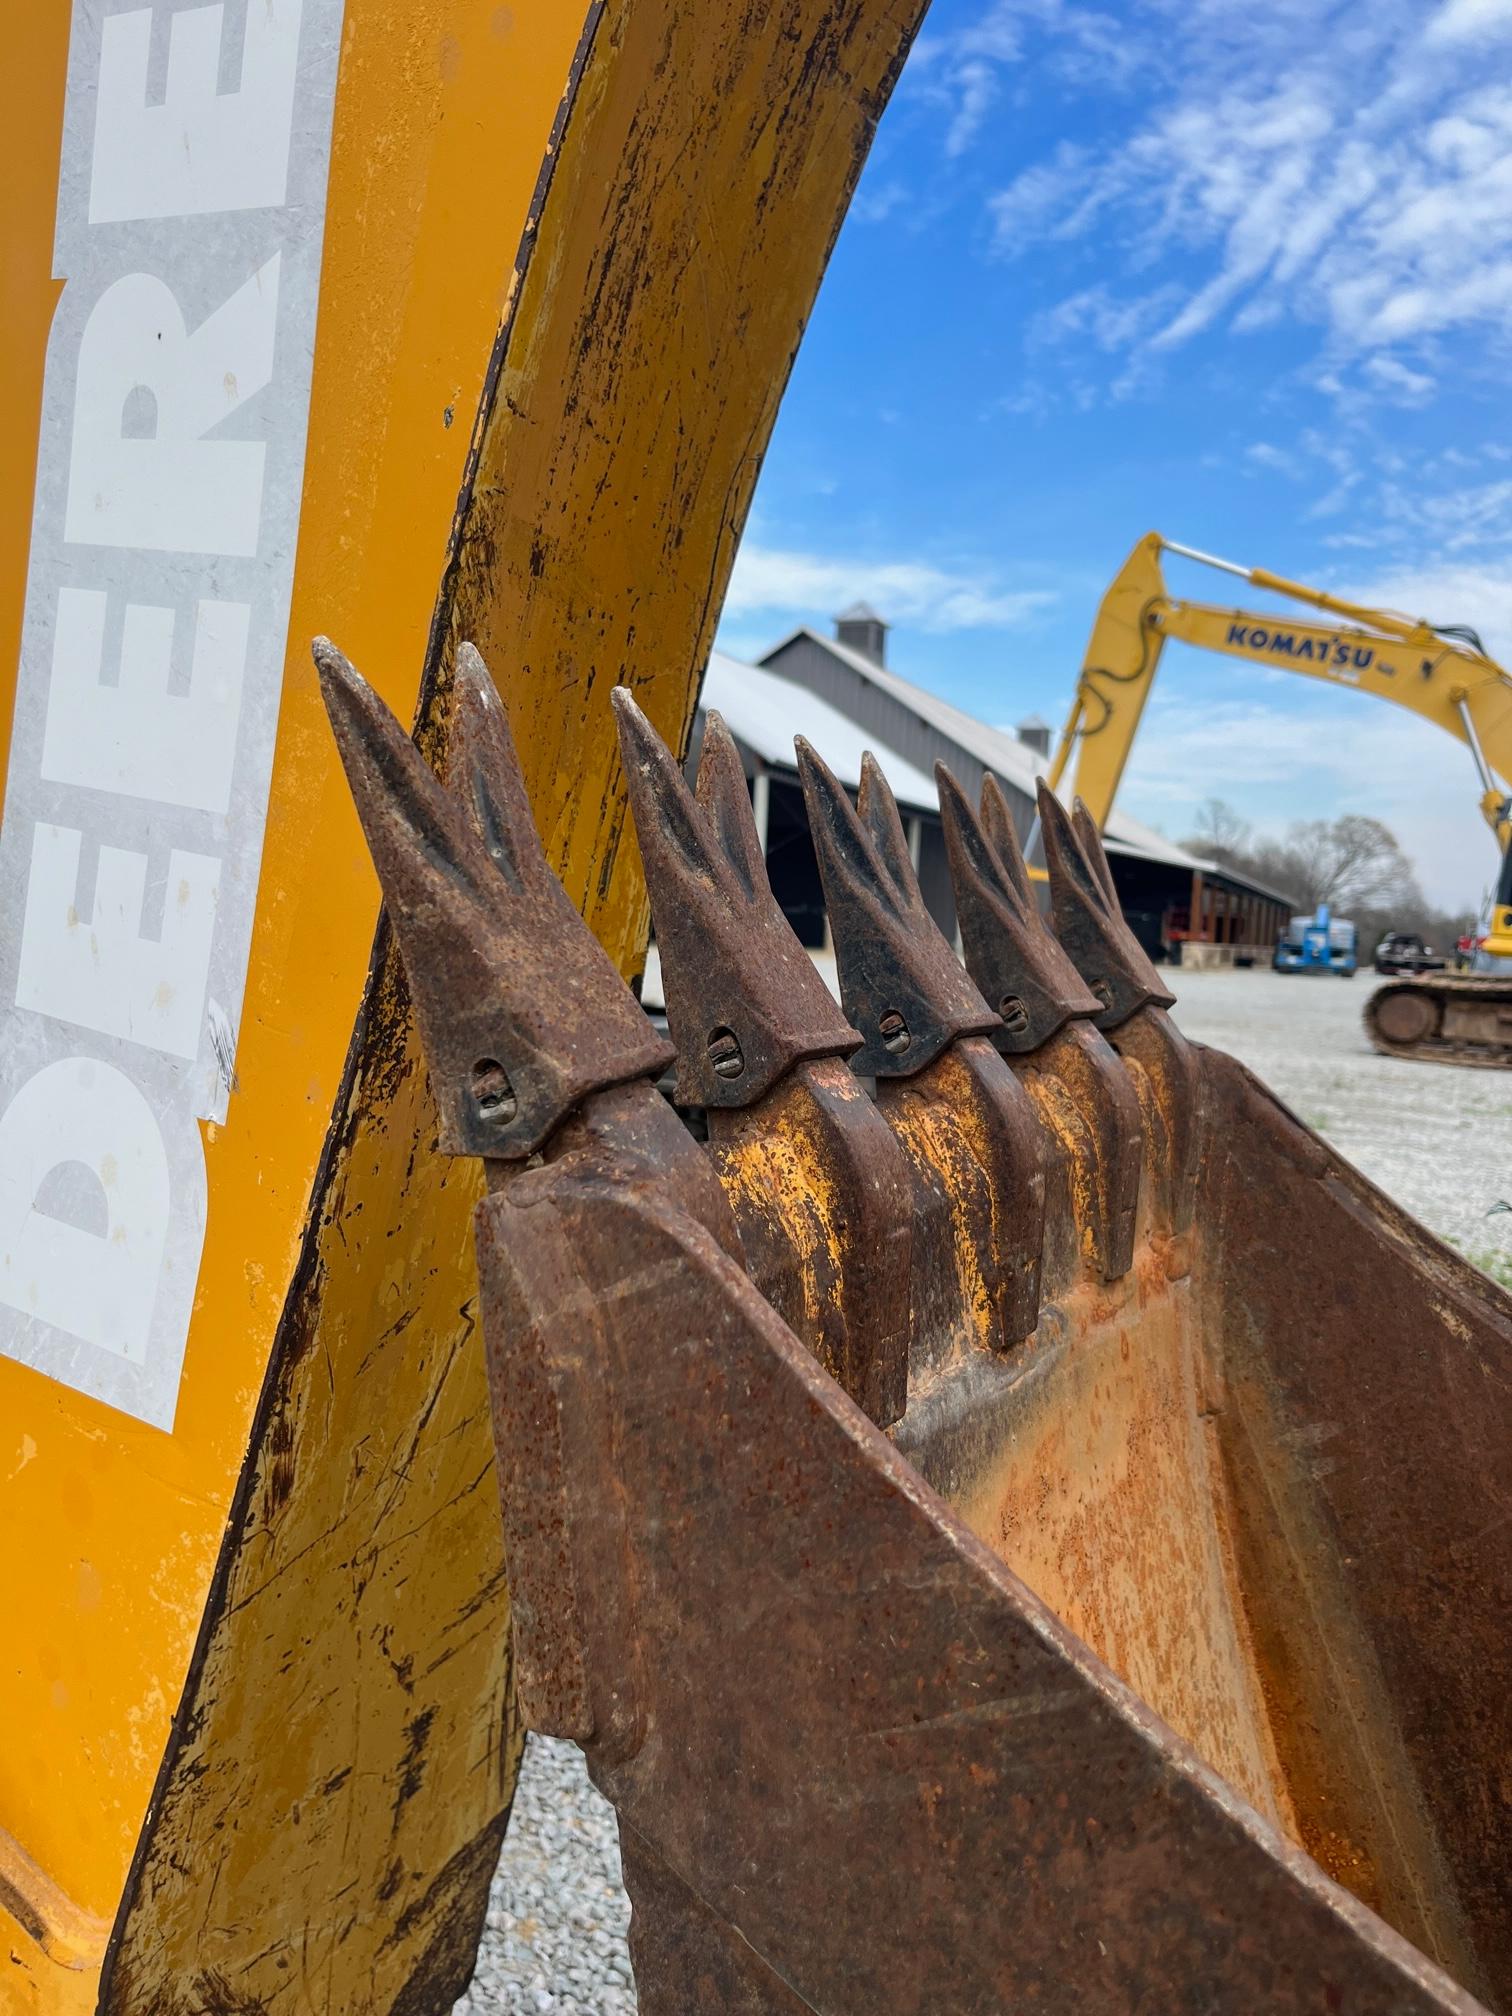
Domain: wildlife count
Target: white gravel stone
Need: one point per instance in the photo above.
(1437, 1138)
(557, 1920)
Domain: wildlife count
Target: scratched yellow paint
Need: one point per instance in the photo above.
(781, 1174)
(937, 1116)
(608, 523)
(110, 1530)
(323, 1825)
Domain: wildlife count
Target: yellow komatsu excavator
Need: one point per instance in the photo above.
(1439, 671)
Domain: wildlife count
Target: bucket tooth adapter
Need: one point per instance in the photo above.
(965, 1124)
(1157, 1662)
(819, 1187)
(1081, 1091)
(1090, 925)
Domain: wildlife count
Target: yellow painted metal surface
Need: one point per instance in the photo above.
(110, 1529)
(335, 1786)
(618, 463)
(1371, 651)
(1117, 673)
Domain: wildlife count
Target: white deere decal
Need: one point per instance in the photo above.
(191, 204)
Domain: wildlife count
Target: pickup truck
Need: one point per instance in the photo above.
(1405, 952)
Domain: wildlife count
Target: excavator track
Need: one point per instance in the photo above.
(1443, 1019)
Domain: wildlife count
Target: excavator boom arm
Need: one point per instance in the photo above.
(1466, 695)
(1395, 658)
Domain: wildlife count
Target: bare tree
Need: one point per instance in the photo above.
(1219, 832)
(1354, 864)
(1350, 863)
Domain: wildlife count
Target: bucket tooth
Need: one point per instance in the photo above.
(1014, 959)
(1089, 921)
(1083, 1094)
(1090, 924)
(818, 1186)
(829, 1718)
(731, 965)
(520, 1011)
(966, 1126)
(537, 1051)
(900, 983)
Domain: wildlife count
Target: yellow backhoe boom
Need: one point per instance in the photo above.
(1439, 672)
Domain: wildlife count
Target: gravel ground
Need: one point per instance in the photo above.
(1436, 1137)
(558, 1916)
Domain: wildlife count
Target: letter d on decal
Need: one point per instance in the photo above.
(98, 1284)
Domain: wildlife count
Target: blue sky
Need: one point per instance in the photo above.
(1238, 273)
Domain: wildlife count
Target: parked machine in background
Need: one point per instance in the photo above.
(1440, 671)
(1319, 944)
(1405, 952)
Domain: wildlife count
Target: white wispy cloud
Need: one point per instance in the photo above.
(976, 85)
(1347, 167)
(1466, 20)
(784, 582)
(1098, 313)
(1056, 197)
(1276, 761)
(876, 205)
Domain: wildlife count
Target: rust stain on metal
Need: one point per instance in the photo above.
(1107, 1499)
(900, 983)
(1202, 1625)
(825, 1209)
(819, 1190)
(965, 1124)
(1090, 1113)
(1015, 960)
(1162, 1064)
(521, 1013)
(744, 1001)
(1085, 1102)
(1368, 1440)
(1088, 921)
(968, 1133)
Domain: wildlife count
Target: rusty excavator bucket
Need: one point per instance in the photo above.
(1012, 1520)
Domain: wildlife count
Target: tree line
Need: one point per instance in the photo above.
(1354, 864)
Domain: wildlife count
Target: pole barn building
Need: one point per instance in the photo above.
(839, 693)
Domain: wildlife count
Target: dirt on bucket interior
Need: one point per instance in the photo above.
(1436, 1137)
